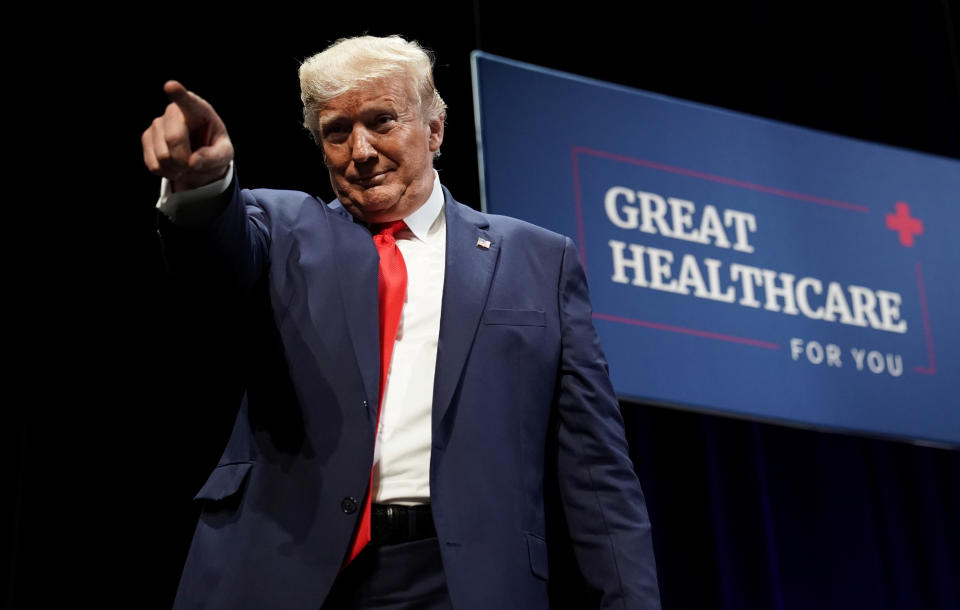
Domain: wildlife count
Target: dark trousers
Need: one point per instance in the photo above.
(405, 576)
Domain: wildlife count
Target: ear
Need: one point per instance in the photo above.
(436, 133)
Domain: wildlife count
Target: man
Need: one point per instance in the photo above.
(410, 394)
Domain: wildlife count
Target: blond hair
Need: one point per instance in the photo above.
(351, 62)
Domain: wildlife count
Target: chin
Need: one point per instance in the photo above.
(378, 205)
(372, 210)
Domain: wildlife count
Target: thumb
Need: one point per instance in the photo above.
(217, 154)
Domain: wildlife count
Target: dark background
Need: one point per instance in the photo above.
(128, 389)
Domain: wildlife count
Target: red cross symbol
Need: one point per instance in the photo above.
(902, 223)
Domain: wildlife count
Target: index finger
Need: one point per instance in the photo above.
(192, 105)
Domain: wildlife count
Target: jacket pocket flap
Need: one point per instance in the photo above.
(537, 548)
(224, 481)
(518, 317)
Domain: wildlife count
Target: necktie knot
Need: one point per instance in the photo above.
(386, 232)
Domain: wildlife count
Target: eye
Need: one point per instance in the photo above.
(335, 132)
(385, 121)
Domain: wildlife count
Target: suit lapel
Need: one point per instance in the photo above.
(357, 272)
(470, 264)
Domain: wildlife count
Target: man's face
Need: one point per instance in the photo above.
(379, 150)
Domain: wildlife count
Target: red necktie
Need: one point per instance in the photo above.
(392, 291)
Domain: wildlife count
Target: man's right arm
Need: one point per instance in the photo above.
(208, 232)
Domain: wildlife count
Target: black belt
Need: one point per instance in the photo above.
(395, 523)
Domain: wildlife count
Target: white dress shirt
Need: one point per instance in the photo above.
(401, 473)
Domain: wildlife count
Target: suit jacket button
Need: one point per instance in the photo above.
(349, 505)
(365, 404)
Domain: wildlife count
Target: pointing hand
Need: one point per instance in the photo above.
(188, 144)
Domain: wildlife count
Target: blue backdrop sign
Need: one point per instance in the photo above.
(739, 264)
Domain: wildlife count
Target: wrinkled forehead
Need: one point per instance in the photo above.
(396, 92)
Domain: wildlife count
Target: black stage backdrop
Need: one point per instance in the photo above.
(130, 391)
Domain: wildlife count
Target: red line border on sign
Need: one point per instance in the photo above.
(688, 331)
(931, 368)
(845, 205)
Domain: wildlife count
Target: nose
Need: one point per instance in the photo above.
(362, 149)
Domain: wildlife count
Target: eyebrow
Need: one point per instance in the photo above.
(324, 122)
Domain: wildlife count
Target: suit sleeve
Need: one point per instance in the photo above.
(226, 254)
(604, 505)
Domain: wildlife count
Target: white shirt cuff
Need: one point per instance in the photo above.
(195, 206)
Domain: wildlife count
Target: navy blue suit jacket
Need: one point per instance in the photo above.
(521, 393)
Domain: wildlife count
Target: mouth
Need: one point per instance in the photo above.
(372, 179)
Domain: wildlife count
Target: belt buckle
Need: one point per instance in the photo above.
(385, 528)
(393, 533)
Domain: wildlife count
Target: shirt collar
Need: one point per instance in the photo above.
(420, 221)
